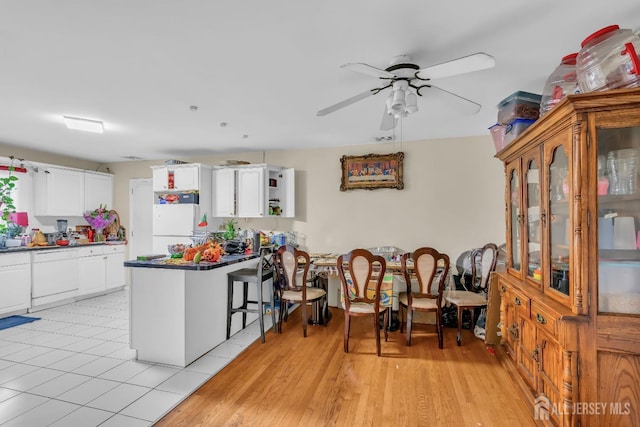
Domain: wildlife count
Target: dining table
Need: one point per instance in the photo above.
(327, 265)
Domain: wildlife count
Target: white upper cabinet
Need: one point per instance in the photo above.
(160, 178)
(98, 190)
(254, 191)
(59, 192)
(282, 192)
(224, 190)
(251, 192)
(174, 184)
(183, 177)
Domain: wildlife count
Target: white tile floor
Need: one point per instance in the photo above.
(74, 368)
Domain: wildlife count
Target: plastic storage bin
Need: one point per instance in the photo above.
(561, 82)
(609, 60)
(498, 135)
(191, 198)
(515, 128)
(519, 105)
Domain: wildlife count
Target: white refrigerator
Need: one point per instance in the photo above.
(172, 224)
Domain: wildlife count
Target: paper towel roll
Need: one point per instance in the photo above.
(624, 233)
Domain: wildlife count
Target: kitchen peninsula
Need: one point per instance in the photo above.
(178, 312)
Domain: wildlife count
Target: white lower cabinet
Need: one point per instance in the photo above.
(15, 285)
(54, 276)
(38, 279)
(114, 266)
(101, 268)
(92, 270)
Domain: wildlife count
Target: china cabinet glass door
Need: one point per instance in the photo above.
(514, 217)
(618, 164)
(533, 227)
(559, 224)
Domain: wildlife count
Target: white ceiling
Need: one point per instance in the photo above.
(265, 68)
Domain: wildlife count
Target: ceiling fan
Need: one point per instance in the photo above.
(407, 81)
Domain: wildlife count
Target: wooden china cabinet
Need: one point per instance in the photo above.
(570, 295)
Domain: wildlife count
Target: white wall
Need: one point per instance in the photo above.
(453, 198)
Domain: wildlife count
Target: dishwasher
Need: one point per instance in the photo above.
(54, 272)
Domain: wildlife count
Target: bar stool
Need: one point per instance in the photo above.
(257, 276)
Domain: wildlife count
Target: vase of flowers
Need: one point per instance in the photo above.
(99, 219)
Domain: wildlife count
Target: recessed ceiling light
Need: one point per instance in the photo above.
(86, 125)
(132, 157)
(193, 107)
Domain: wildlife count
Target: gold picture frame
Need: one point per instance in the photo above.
(372, 171)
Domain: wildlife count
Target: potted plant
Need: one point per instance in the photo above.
(7, 184)
(230, 230)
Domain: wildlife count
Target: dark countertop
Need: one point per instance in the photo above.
(162, 263)
(15, 249)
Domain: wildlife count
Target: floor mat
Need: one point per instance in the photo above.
(11, 321)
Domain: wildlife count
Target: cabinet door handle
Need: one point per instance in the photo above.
(514, 331)
(517, 301)
(535, 354)
(503, 288)
(543, 217)
(540, 318)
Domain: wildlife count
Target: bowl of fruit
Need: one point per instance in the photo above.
(176, 248)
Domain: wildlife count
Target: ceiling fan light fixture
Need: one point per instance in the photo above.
(86, 125)
(412, 103)
(398, 101)
(389, 103)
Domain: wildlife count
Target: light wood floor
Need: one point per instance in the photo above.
(296, 381)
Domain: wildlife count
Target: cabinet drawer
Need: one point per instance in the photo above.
(91, 250)
(504, 289)
(54, 255)
(113, 249)
(543, 318)
(15, 259)
(521, 302)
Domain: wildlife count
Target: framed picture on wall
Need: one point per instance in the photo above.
(372, 171)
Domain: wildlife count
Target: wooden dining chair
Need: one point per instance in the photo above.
(483, 262)
(430, 269)
(361, 274)
(292, 283)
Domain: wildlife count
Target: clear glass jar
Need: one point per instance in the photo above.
(609, 60)
(561, 82)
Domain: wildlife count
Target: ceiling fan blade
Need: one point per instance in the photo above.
(388, 120)
(346, 102)
(466, 64)
(456, 101)
(360, 67)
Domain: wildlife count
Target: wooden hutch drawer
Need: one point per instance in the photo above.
(544, 319)
(504, 289)
(521, 302)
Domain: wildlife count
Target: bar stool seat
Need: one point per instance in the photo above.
(257, 276)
